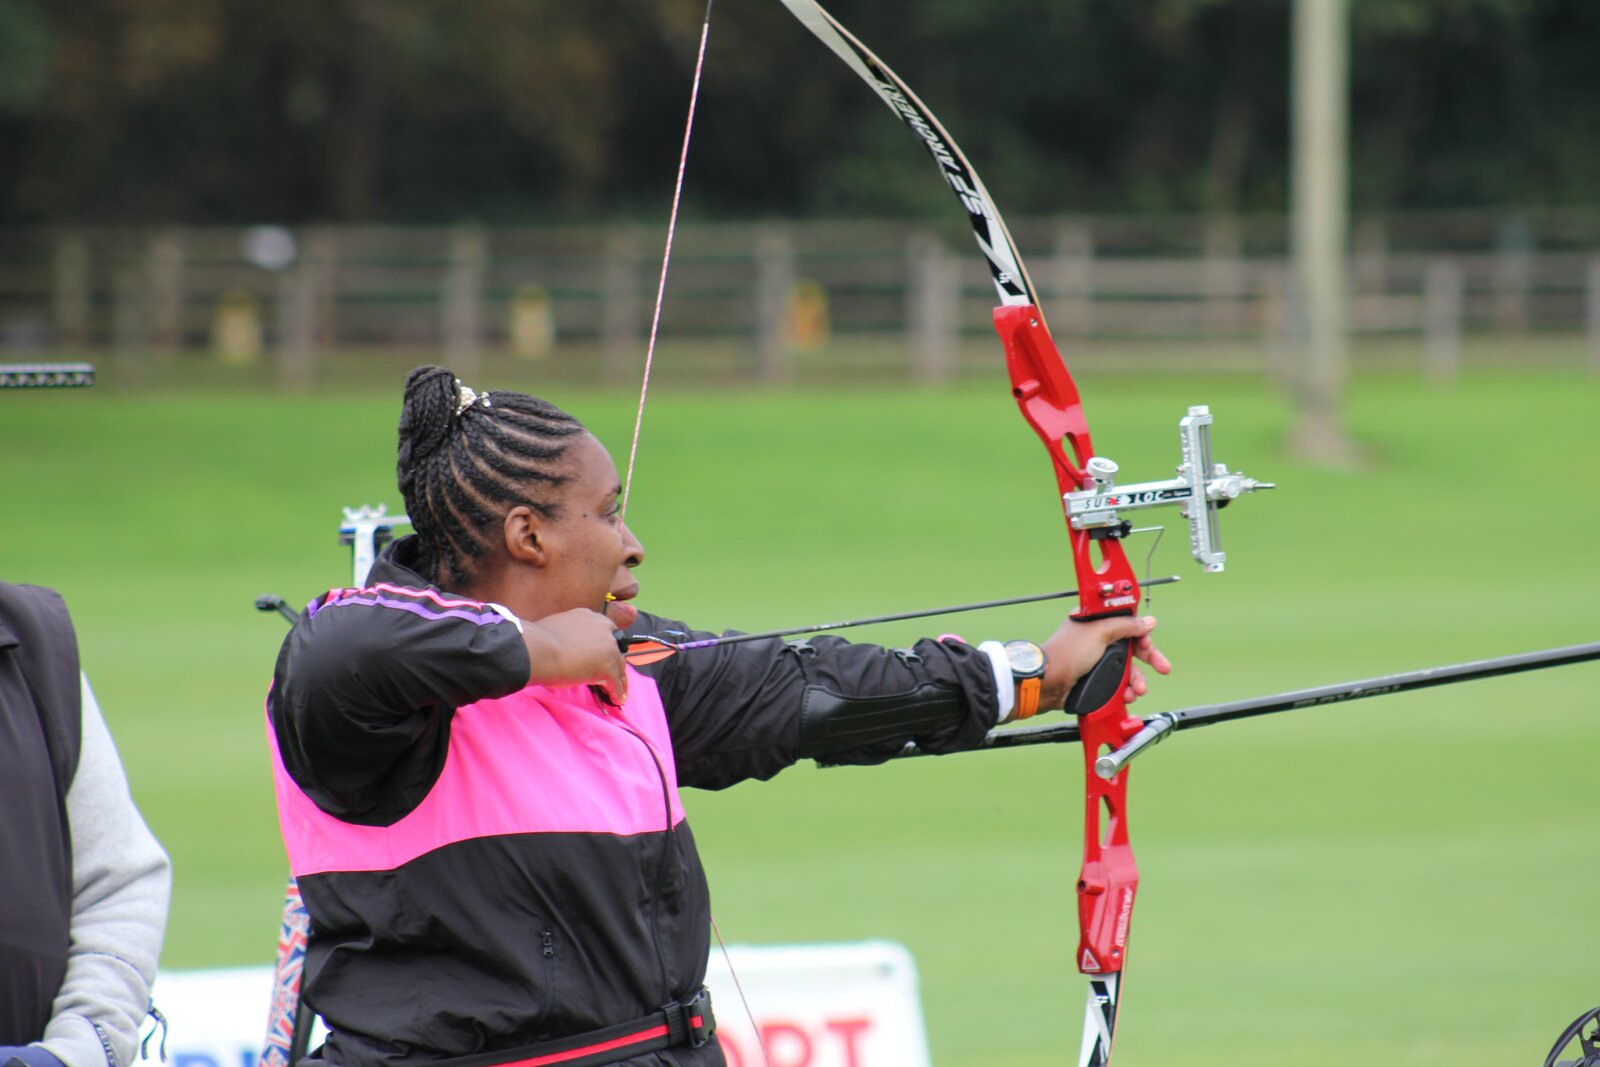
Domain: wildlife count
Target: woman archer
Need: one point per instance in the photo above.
(479, 794)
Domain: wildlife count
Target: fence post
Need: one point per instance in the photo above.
(1370, 304)
(130, 323)
(619, 307)
(70, 296)
(532, 322)
(463, 300)
(933, 308)
(1221, 275)
(322, 254)
(1512, 276)
(1073, 272)
(1592, 312)
(1442, 358)
(775, 281)
(1277, 323)
(165, 264)
(298, 290)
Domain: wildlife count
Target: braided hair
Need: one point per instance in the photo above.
(464, 460)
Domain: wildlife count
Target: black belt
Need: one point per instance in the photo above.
(688, 1024)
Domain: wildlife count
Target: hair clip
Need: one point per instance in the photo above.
(466, 396)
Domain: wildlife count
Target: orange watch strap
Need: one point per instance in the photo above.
(1028, 697)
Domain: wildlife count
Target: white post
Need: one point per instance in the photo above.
(1513, 277)
(166, 263)
(130, 325)
(1593, 314)
(1320, 196)
(463, 300)
(1442, 350)
(934, 309)
(1277, 324)
(70, 296)
(300, 293)
(1074, 280)
(775, 281)
(1222, 276)
(619, 309)
(1369, 308)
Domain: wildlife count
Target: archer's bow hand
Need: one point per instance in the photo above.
(577, 647)
(1074, 649)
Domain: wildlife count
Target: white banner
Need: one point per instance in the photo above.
(853, 1005)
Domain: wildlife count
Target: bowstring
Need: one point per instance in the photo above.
(644, 391)
(761, 1041)
(666, 255)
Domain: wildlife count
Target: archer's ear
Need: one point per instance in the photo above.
(527, 536)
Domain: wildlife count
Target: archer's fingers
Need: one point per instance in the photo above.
(616, 686)
(622, 615)
(1124, 627)
(1137, 686)
(1144, 649)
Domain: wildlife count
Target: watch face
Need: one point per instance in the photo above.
(1025, 657)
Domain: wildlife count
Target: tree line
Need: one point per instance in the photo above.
(227, 111)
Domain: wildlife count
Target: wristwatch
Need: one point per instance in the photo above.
(1027, 662)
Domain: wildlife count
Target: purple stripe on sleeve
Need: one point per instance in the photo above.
(487, 618)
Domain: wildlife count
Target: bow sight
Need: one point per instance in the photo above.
(1201, 489)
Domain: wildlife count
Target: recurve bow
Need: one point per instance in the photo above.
(1094, 505)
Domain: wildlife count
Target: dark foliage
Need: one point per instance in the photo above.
(533, 110)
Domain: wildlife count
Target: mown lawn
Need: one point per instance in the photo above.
(1407, 880)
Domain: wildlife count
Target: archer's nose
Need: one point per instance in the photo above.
(635, 553)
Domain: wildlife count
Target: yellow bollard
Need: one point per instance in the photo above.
(236, 328)
(533, 324)
(806, 324)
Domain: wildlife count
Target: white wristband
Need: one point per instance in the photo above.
(1005, 686)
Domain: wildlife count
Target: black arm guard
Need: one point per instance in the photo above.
(831, 723)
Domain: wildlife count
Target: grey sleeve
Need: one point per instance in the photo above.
(121, 883)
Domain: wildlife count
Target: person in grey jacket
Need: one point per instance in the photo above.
(84, 885)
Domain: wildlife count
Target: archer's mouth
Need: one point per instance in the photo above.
(627, 592)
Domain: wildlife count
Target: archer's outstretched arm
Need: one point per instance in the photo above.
(749, 710)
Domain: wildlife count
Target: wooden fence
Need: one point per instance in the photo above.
(772, 292)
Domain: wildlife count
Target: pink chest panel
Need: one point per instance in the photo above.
(538, 761)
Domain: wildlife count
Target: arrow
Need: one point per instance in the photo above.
(648, 648)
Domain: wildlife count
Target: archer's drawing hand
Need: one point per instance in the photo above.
(1077, 646)
(576, 647)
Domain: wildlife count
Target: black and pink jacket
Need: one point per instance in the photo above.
(490, 864)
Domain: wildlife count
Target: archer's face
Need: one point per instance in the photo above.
(594, 551)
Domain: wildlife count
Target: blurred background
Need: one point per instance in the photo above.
(193, 181)
(1367, 234)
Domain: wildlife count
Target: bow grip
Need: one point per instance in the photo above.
(1103, 682)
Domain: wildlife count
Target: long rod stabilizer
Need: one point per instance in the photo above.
(1159, 726)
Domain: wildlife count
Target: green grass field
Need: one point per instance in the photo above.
(1408, 880)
